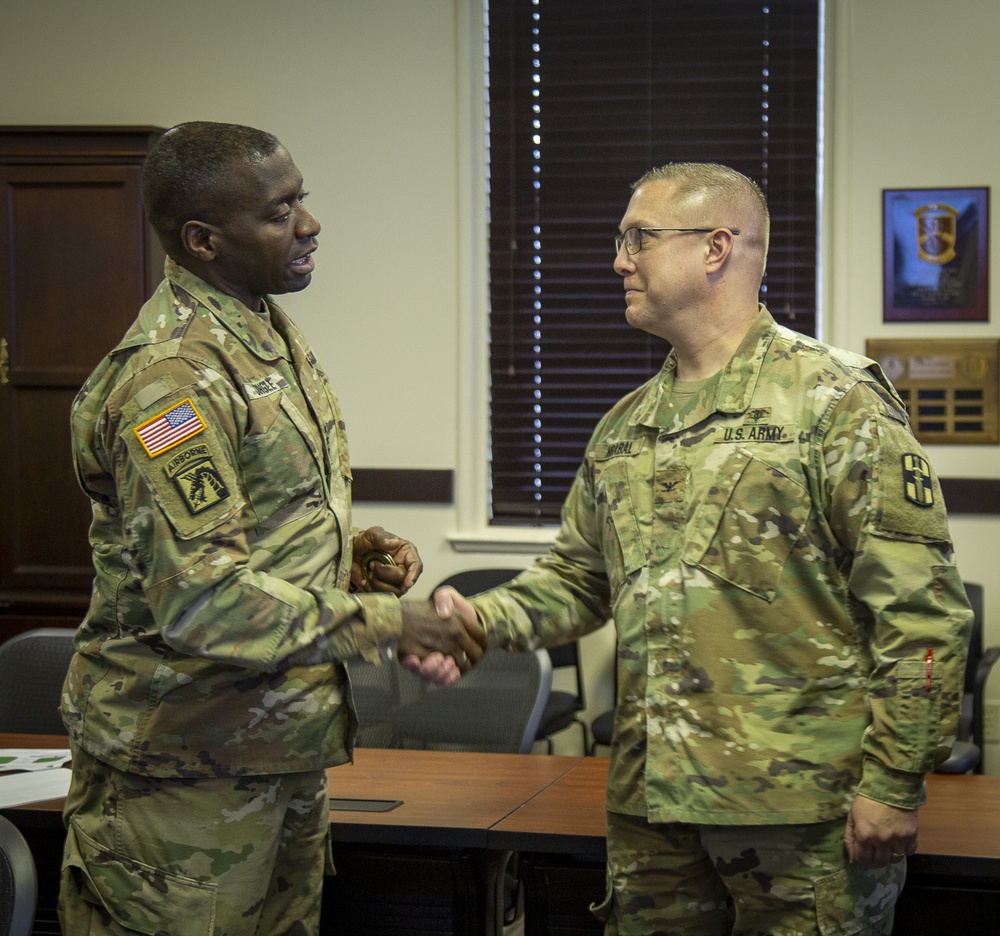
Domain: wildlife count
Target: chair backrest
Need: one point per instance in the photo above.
(33, 667)
(18, 882)
(567, 656)
(379, 691)
(473, 581)
(974, 593)
(496, 707)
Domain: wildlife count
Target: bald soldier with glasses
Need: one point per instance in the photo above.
(772, 545)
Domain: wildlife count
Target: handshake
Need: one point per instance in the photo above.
(442, 638)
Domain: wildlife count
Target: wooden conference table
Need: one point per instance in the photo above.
(952, 886)
(437, 853)
(429, 856)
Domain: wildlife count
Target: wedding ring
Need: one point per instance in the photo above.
(898, 856)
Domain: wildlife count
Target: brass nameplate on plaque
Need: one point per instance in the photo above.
(951, 386)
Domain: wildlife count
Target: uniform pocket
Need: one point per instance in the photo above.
(137, 896)
(748, 524)
(624, 552)
(918, 714)
(281, 465)
(858, 899)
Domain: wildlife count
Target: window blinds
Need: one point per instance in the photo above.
(583, 97)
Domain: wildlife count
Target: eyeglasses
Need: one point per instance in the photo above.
(632, 238)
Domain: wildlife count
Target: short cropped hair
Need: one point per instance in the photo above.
(187, 173)
(735, 199)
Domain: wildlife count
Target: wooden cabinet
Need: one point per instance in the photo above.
(77, 259)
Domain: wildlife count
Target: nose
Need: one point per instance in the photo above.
(306, 224)
(623, 261)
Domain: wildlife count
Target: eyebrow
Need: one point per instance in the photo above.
(282, 201)
(287, 199)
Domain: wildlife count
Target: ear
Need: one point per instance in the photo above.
(200, 240)
(720, 246)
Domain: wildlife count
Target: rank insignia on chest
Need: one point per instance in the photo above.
(917, 480)
(197, 479)
(169, 428)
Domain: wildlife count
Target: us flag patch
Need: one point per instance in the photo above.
(169, 428)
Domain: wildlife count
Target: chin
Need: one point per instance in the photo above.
(298, 284)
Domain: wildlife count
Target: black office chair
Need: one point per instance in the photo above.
(562, 708)
(379, 691)
(33, 668)
(967, 752)
(495, 707)
(602, 728)
(18, 882)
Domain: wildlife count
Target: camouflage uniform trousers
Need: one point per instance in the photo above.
(227, 857)
(675, 879)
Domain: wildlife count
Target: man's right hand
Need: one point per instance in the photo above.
(427, 632)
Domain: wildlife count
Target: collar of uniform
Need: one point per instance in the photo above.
(251, 329)
(736, 383)
(739, 376)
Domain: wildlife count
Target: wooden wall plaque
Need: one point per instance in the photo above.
(951, 386)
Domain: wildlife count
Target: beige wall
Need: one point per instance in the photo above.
(911, 85)
(379, 103)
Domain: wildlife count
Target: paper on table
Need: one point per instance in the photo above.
(20, 788)
(33, 758)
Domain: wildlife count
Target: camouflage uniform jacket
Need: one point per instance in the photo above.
(214, 453)
(776, 557)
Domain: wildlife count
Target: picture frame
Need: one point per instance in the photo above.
(935, 255)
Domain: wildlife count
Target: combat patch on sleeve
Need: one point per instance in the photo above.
(917, 485)
(170, 428)
(198, 481)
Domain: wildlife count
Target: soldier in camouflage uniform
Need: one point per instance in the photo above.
(208, 693)
(772, 545)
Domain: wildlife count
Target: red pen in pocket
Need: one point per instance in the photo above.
(930, 667)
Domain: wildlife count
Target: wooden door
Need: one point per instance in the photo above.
(78, 261)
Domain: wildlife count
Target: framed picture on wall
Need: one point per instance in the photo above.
(935, 244)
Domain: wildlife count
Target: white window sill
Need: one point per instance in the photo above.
(528, 540)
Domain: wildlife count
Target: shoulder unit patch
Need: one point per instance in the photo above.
(917, 480)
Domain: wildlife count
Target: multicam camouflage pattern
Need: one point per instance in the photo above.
(776, 557)
(248, 865)
(790, 880)
(222, 548)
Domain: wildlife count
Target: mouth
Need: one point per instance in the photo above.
(304, 264)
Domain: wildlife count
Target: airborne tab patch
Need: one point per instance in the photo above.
(197, 479)
(917, 480)
(169, 428)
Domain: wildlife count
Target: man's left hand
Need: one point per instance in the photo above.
(396, 579)
(878, 834)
